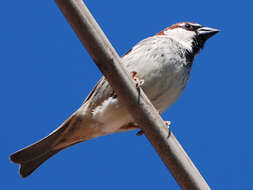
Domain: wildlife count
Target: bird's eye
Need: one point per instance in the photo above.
(187, 26)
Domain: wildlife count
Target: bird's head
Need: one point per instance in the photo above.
(191, 35)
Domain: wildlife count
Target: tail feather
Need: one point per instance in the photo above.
(28, 167)
(34, 155)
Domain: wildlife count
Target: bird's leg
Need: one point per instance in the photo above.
(167, 123)
(140, 132)
(139, 82)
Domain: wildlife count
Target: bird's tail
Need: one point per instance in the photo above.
(31, 157)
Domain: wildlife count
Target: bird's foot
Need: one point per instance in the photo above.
(139, 133)
(167, 123)
(138, 82)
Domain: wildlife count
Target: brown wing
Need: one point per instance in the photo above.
(101, 92)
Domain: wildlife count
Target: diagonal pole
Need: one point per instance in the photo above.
(138, 105)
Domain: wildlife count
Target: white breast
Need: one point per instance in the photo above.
(165, 75)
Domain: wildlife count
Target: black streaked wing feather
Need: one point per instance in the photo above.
(101, 92)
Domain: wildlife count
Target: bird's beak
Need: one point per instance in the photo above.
(206, 32)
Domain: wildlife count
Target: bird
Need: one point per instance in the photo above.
(162, 63)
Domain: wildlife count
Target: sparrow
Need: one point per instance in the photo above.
(162, 61)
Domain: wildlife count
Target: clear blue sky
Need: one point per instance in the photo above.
(46, 74)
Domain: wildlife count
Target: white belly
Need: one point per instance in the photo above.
(162, 91)
(112, 115)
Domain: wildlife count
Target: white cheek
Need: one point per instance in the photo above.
(182, 36)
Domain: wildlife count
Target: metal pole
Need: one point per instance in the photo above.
(138, 105)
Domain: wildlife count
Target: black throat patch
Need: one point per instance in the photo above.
(197, 44)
